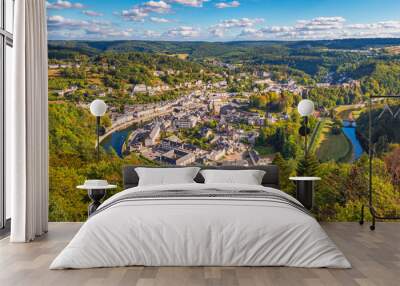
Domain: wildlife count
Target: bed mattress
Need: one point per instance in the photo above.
(201, 225)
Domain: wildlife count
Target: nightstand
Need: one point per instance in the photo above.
(305, 190)
(96, 193)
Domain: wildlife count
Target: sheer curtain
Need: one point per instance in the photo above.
(27, 124)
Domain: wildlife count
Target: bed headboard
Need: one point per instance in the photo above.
(271, 177)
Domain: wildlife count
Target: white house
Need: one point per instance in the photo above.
(153, 136)
(139, 88)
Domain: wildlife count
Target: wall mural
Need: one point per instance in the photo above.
(222, 103)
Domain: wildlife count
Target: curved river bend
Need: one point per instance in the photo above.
(117, 139)
(349, 129)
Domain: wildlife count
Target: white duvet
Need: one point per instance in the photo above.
(202, 232)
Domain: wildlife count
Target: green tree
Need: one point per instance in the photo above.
(286, 170)
(308, 166)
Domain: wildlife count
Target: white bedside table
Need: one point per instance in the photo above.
(96, 194)
(305, 190)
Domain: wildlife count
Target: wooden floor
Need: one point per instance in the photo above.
(375, 257)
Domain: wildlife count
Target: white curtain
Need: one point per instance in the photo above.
(27, 124)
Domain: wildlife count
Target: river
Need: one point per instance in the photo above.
(350, 131)
(117, 139)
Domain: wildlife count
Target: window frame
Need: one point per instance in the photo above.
(6, 39)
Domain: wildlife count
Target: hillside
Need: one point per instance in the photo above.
(73, 160)
(307, 56)
(378, 77)
(214, 48)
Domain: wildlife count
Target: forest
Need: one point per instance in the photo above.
(384, 126)
(62, 49)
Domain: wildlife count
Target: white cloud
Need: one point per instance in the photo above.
(220, 29)
(156, 7)
(66, 34)
(183, 31)
(135, 14)
(140, 12)
(360, 26)
(159, 20)
(192, 3)
(317, 28)
(222, 5)
(324, 28)
(217, 32)
(277, 29)
(320, 23)
(374, 26)
(239, 23)
(228, 29)
(381, 29)
(389, 25)
(60, 26)
(60, 4)
(251, 33)
(92, 13)
(59, 22)
(151, 34)
(105, 33)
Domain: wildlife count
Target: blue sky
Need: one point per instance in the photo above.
(222, 20)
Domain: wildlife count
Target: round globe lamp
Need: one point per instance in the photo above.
(305, 108)
(98, 108)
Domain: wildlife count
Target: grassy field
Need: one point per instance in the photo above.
(333, 147)
(264, 151)
(53, 72)
(95, 80)
(259, 111)
(316, 136)
(348, 112)
(181, 56)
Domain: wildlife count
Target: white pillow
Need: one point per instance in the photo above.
(244, 177)
(166, 176)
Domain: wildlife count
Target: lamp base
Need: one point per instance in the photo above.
(96, 196)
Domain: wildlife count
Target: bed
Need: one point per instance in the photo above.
(198, 224)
